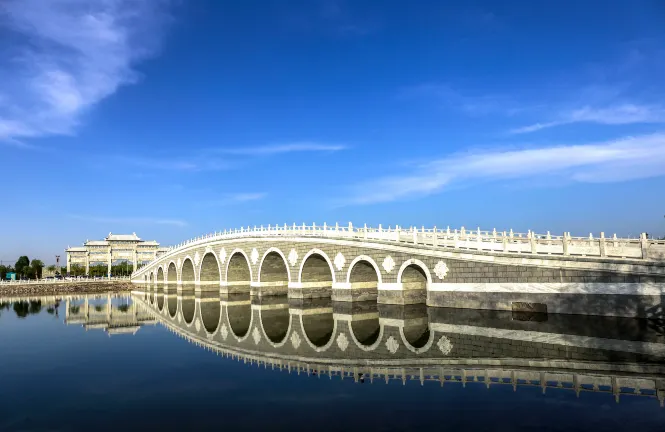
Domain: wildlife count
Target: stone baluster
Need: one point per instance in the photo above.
(601, 244)
(414, 232)
(435, 237)
(365, 232)
(534, 244)
(325, 228)
(566, 243)
(337, 228)
(455, 237)
(350, 229)
(462, 234)
(591, 239)
(644, 245)
(494, 234)
(504, 241)
(479, 239)
(397, 233)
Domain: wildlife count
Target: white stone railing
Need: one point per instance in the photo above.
(62, 281)
(478, 240)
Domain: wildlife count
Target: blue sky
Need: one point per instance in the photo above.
(175, 118)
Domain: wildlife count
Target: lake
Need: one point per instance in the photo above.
(185, 360)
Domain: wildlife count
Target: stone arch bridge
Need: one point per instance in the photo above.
(447, 268)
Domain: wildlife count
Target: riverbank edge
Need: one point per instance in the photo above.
(68, 288)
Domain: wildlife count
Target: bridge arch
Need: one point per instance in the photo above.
(240, 319)
(211, 314)
(171, 273)
(312, 267)
(275, 325)
(363, 279)
(238, 269)
(187, 308)
(160, 275)
(172, 305)
(318, 333)
(187, 273)
(367, 334)
(209, 270)
(415, 279)
(274, 267)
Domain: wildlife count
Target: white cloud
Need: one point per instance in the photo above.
(611, 161)
(64, 56)
(268, 150)
(232, 198)
(613, 115)
(242, 197)
(129, 220)
(175, 164)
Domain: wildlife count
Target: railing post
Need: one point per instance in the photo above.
(397, 233)
(337, 228)
(504, 240)
(462, 234)
(365, 232)
(644, 244)
(479, 242)
(435, 238)
(350, 229)
(534, 246)
(601, 245)
(565, 241)
(414, 232)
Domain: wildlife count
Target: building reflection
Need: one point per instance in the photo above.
(112, 313)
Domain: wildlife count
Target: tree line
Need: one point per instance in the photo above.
(24, 268)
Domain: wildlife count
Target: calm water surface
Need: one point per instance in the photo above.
(185, 361)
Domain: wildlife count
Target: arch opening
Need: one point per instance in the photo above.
(172, 274)
(363, 281)
(187, 271)
(160, 301)
(318, 323)
(238, 274)
(366, 331)
(275, 323)
(172, 304)
(209, 270)
(274, 270)
(239, 312)
(316, 277)
(188, 305)
(160, 275)
(414, 278)
(211, 311)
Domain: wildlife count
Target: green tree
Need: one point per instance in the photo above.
(22, 262)
(3, 271)
(37, 266)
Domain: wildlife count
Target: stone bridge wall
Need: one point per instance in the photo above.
(354, 270)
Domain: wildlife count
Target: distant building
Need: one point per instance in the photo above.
(115, 247)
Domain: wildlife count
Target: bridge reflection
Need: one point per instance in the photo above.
(366, 341)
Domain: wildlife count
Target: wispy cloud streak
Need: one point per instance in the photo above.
(66, 56)
(269, 150)
(612, 161)
(233, 198)
(614, 115)
(129, 220)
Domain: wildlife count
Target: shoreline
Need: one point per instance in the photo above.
(65, 288)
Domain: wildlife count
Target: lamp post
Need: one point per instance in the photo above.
(57, 264)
